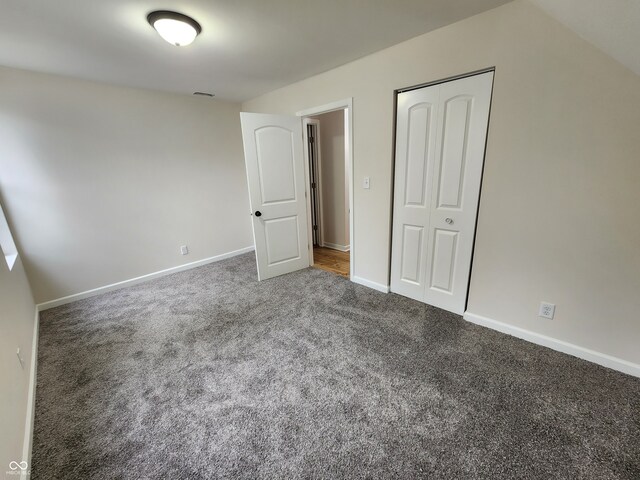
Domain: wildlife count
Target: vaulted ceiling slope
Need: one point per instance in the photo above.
(611, 25)
(246, 48)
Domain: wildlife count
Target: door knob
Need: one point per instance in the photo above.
(258, 213)
(449, 220)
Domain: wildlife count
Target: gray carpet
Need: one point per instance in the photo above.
(210, 374)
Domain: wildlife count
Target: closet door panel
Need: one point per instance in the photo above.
(415, 154)
(461, 136)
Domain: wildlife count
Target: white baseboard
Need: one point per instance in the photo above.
(368, 283)
(133, 281)
(335, 246)
(27, 446)
(603, 359)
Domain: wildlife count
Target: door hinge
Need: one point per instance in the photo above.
(315, 227)
(313, 185)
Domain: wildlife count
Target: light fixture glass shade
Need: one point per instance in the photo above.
(175, 28)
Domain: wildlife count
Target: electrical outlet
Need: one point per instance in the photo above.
(184, 250)
(20, 359)
(547, 310)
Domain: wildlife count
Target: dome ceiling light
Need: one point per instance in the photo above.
(174, 27)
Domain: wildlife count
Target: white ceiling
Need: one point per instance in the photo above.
(247, 47)
(611, 25)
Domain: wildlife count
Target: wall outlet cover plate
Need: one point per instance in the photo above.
(547, 310)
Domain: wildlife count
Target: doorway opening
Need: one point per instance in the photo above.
(327, 142)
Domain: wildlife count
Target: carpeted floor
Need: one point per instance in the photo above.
(210, 374)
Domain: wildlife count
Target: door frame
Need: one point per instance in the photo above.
(346, 105)
(484, 159)
(316, 123)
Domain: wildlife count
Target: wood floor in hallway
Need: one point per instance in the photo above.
(331, 260)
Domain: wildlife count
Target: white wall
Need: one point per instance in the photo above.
(17, 321)
(558, 215)
(105, 183)
(332, 180)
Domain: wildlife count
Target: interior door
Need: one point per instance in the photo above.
(415, 156)
(459, 113)
(463, 117)
(312, 137)
(276, 176)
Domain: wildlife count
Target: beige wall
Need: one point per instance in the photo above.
(105, 183)
(558, 215)
(332, 180)
(17, 316)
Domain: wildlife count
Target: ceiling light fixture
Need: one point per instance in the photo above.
(174, 27)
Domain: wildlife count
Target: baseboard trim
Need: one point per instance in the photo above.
(603, 359)
(144, 278)
(27, 446)
(335, 246)
(368, 283)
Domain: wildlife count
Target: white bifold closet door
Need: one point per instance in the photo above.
(440, 142)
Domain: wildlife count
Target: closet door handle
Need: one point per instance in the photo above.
(449, 220)
(258, 213)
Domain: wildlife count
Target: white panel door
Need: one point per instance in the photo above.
(461, 119)
(275, 172)
(415, 155)
(463, 116)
